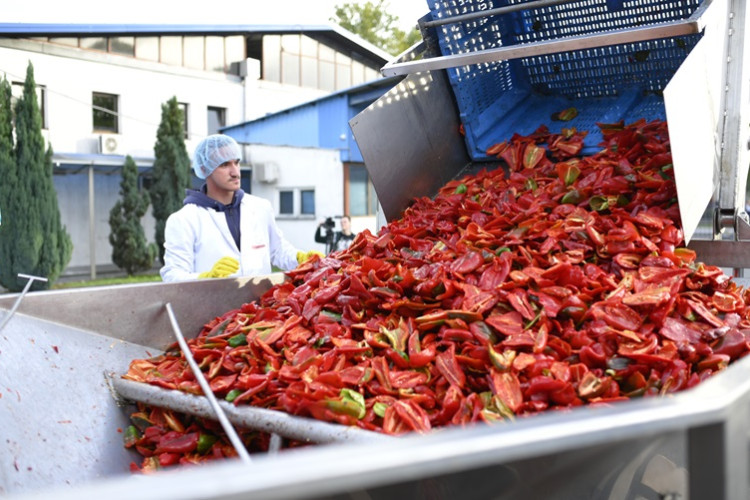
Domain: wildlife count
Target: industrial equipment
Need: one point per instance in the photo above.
(495, 67)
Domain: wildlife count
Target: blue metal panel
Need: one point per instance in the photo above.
(298, 127)
(323, 123)
(334, 130)
(604, 84)
(355, 155)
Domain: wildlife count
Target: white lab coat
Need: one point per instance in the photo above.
(196, 237)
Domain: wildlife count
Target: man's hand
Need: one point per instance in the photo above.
(305, 256)
(223, 268)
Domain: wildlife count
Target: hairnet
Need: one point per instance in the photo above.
(212, 152)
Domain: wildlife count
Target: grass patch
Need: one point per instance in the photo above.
(124, 280)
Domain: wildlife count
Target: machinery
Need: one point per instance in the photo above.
(495, 67)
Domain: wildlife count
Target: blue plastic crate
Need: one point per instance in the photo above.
(604, 84)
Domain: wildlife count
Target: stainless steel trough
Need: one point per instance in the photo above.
(62, 409)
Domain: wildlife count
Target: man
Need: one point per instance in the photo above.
(339, 240)
(221, 231)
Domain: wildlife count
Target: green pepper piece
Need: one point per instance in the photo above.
(461, 189)
(141, 420)
(351, 403)
(205, 442)
(502, 360)
(331, 315)
(379, 409)
(232, 395)
(132, 434)
(237, 340)
(572, 196)
(346, 407)
(598, 203)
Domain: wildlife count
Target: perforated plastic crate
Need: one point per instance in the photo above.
(604, 84)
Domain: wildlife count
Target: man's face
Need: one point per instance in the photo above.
(227, 176)
(345, 224)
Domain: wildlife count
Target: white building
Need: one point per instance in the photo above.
(101, 88)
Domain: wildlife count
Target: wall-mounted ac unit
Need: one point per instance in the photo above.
(266, 172)
(110, 144)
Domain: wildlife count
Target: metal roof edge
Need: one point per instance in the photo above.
(48, 29)
(97, 159)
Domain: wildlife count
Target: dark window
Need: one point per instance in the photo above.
(184, 108)
(145, 181)
(216, 119)
(307, 202)
(246, 176)
(105, 112)
(124, 45)
(255, 47)
(94, 43)
(286, 202)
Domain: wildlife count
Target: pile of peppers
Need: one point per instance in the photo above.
(557, 281)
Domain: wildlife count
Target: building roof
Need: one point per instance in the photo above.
(333, 34)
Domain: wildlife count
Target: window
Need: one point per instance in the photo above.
(170, 50)
(72, 42)
(193, 52)
(216, 119)
(359, 191)
(145, 181)
(290, 61)
(94, 43)
(245, 178)
(105, 112)
(234, 50)
(307, 202)
(327, 68)
(286, 202)
(124, 45)
(41, 97)
(297, 202)
(271, 60)
(343, 71)
(184, 108)
(206, 53)
(214, 53)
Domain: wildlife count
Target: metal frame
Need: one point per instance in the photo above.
(694, 24)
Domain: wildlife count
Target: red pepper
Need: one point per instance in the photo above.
(563, 283)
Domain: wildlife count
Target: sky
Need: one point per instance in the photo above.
(197, 12)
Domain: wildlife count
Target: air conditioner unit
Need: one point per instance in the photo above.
(110, 144)
(266, 172)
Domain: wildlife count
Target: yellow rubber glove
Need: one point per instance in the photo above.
(223, 268)
(305, 256)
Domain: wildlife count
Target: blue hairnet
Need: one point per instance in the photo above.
(212, 152)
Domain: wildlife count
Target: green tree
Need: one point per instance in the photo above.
(36, 243)
(171, 175)
(8, 187)
(371, 22)
(130, 249)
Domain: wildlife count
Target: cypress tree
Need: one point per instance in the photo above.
(130, 250)
(9, 194)
(171, 175)
(41, 245)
